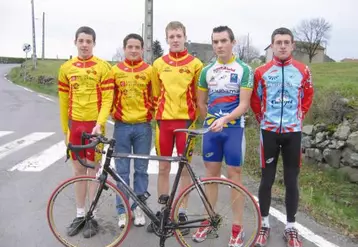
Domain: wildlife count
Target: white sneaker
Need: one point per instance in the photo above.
(122, 220)
(139, 218)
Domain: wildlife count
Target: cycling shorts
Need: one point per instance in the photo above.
(229, 144)
(165, 136)
(74, 136)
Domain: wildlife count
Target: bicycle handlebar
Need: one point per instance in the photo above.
(96, 139)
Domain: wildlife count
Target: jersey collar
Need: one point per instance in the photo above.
(232, 59)
(279, 62)
(178, 55)
(81, 59)
(130, 63)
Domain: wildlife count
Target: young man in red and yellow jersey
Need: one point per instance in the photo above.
(85, 86)
(174, 81)
(132, 112)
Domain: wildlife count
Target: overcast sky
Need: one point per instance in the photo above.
(114, 19)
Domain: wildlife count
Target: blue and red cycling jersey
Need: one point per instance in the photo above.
(282, 95)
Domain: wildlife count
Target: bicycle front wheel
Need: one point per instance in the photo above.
(66, 198)
(231, 203)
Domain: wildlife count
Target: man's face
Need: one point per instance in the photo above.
(222, 44)
(84, 44)
(133, 50)
(176, 40)
(282, 46)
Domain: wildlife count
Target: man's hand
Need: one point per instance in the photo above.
(96, 130)
(66, 142)
(218, 124)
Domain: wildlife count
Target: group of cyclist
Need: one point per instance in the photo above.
(174, 92)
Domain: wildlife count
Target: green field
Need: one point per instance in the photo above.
(325, 195)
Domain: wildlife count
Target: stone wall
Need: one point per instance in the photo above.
(333, 147)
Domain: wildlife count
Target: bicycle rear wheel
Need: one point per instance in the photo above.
(230, 198)
(61, 210)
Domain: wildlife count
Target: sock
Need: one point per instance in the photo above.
(235, 230)
(265, 222)
(290, 225)
(81, 212)
(182, 211)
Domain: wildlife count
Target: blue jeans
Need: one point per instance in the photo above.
(138, 136)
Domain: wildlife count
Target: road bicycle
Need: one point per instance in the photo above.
(165, 224)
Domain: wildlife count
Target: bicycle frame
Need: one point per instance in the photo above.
(161, 223)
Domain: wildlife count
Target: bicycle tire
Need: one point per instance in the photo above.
(224, 181)
(57, 191)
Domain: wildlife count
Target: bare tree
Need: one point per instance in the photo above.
(119, 55)
(244, 49)
(312, 34)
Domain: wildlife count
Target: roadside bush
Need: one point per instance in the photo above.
(11, 60)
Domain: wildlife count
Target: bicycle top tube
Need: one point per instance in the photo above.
(146, 157)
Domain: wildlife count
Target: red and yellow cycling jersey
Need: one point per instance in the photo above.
(85, 90)
(133, 92)
(174, 81)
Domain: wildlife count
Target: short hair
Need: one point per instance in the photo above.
(175, 25)
(220, 29)
(86, 30)
(282, 31)
(133, 36)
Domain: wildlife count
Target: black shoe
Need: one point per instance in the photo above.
(90, 229)
(150, 227)
(76, 226)
(183, 218)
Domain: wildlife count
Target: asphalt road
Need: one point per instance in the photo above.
(30, 130)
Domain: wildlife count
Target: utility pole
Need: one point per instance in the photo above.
(33, 35)
(43, 35)
(148, 31)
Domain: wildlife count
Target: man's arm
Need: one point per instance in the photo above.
(202, 92)
(245, 95)
(107, 89)
(155, 82)
(63, 92)
(256, 96)
(150, 90)
(308, 92)
(202, 102)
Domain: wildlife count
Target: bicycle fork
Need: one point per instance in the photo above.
(102, 186)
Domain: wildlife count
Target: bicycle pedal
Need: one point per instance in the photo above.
(163, 199)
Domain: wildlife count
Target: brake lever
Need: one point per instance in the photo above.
(68, 156)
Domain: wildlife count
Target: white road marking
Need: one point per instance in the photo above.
(44, 97)
(29, 90)
(153, 166)
(4, 133)
(20, 143)
(43, 159)
(302, 230)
